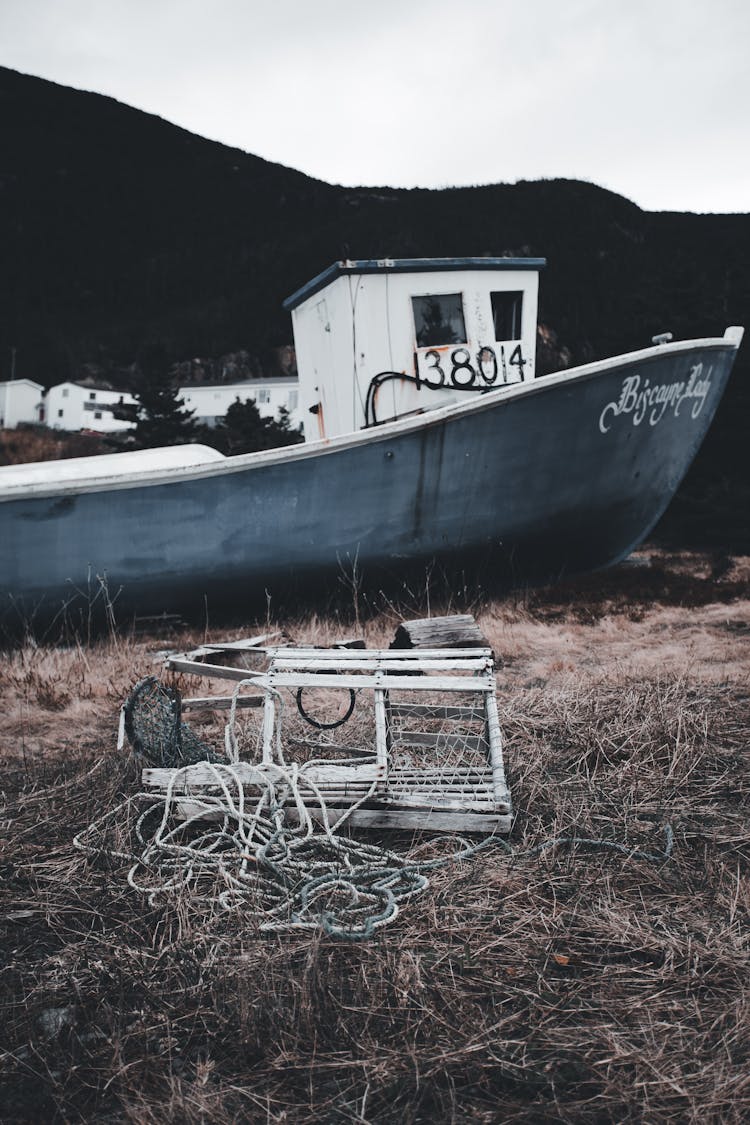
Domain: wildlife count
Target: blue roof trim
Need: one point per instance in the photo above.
(408, 265)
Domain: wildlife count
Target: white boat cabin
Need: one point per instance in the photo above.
(379, 340)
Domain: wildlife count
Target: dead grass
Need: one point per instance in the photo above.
(575, 985)
(42, 444)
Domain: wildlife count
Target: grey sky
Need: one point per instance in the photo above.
(650, 99)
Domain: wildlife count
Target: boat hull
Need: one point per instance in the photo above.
(566, 474)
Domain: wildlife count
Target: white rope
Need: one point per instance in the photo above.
(287, 876)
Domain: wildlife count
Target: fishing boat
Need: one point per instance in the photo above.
(429, 437)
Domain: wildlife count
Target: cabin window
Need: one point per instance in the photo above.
(92, 394)
(59, 414)
(97, 413)
(506, 314)
(264, 395)
(65, 392)
(439, 319)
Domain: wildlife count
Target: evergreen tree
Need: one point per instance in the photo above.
(245, 430)
(162, 419)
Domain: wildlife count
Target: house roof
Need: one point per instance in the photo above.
(28, 382)
(271, 381)
(92, 385)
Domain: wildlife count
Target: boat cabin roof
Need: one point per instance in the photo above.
(407, 265)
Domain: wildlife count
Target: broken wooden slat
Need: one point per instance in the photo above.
(198, 668)
(256, 643)
(203, 774)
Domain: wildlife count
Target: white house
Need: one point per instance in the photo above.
(211, 401)
(87, 406)
(84, 406)
(20, 401)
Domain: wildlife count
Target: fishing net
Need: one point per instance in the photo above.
(155, 730)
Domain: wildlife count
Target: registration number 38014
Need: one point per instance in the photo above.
(459, 368)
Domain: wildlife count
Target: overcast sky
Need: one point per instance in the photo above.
(650, 98)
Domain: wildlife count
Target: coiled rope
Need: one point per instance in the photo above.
(286, 877)
(237, 849)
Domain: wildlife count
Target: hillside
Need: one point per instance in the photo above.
(118, 228)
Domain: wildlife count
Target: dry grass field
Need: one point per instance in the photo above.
(573, 983)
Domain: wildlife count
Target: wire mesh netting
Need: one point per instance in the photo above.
(438, 747)
(153, 724)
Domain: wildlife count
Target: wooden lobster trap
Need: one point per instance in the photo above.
(383, 738)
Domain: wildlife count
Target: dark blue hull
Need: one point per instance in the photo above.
(567, 474)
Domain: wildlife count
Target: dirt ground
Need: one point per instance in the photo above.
(554, 982)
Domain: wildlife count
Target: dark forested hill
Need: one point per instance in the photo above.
(117, 228)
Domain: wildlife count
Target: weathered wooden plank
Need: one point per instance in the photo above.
(496, 744)
(405, 655)
(222, 702)
(269, 716)
(426, 820)
(381, 730)
(344, 795)
(391, 682)
(459, 630)
(204, 774)
(366, 663)
(435, 800)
